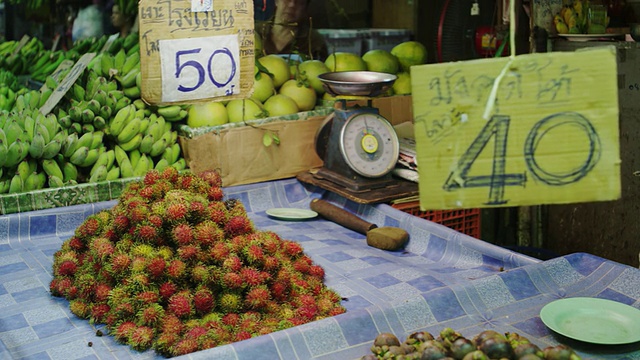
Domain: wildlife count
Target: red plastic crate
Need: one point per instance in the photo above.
(466, 221)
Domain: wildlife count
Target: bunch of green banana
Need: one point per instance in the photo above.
(46, 64)
(9, 80)
(27, 177)
(18, 61)
(172, 113)
(120, 66)
(84, 150)
(45, 135)
(7, 97)
(31, 100)
(14, 141)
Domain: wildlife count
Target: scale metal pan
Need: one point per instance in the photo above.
(358, 83)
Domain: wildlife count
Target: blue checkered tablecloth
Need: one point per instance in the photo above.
(442, 279)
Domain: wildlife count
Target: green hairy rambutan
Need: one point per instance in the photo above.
(175, 268)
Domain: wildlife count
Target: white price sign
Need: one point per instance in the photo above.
(200, 68)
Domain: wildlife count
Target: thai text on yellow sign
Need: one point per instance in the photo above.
(195, 51)
(548, 135)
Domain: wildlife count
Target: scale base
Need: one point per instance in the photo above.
(400, 189)
(358, 184)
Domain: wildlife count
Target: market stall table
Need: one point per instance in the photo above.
(442, 279)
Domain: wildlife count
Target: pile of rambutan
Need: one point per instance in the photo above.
(175, 267)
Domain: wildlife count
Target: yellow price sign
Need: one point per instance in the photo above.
(195, 51)
(532, 129)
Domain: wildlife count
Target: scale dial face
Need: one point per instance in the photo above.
(369, 144)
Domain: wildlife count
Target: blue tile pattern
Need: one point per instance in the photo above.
(442, 278)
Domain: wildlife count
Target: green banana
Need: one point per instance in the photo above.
(129, 131)
(94, 105)
(106, 64)
(87, 116)
(35, 181)
(158, 147)
(4, 185)
(36, 148)
(180, 165)
(97, 139)
(130, 63)
(70, 171)
(128, 80)
(75, 113)
(147, 143)
(103, 160)
(99, 123)
(80, 155)
(15, 153)
(70, 145)
(3, 153)
(105, 112)
(139, 104)
(51, 149)
(46, 94)
(100, 174)
(134, 156)
(88, 128)
(144, 125)
(119, 121)
(92, 157)
(29, 126)
(126, 169)
(101, 97)
(55, 182)
(86, 140)
(113, 174)
(171, 111)
(52, 168)
(16, 185)
(142, 166)
(132, 144)
(120, 154)
(76, 128)
(23, 170)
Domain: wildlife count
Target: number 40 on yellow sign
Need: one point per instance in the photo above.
(550, 136)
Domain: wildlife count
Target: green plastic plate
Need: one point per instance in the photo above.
(291, 213)
(593, 320)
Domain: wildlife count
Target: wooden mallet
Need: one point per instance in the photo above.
(385, 238)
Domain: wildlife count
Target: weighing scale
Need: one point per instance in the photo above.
(359, 147)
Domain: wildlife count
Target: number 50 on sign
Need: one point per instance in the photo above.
(551, 135)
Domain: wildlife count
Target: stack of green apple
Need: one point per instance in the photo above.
(283, 87)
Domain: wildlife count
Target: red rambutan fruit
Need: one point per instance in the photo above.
(184, 346)
(215, 193)
(271, 263)
(121, 332)
(156, 221)
(145, 233)
(176, 213)
(148, 297)
(292, 248)
(199, 274)
(301, 265)
(182, 234)
(196, 332)
(121, 223)
(156, 267)
(231, 319)
(211, 177)
(188, 252)
(150, 315)
(198, 211)
(208, 233)
(254, 254)
(258, 297)
(151, 177)
(167, 290)
(232, 280)
(89, 228)
(176, 269)
(181, 304)
(171, 174)
(337, 311)
(280, 290)
(124, 309)
(119, 263)
(316, 271)
(172, 324)
(141, 338)
(242, 335)
(230, 302)
(232, 263)
(219, 252)
(253, 277)
(76, 244)
(138, 214)
(218, 213)
(101, 248)
(102, 292)
(238, 225)
(203, 301)
(99, 313)
(165, 342)
(66, 268)
(80, 308)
